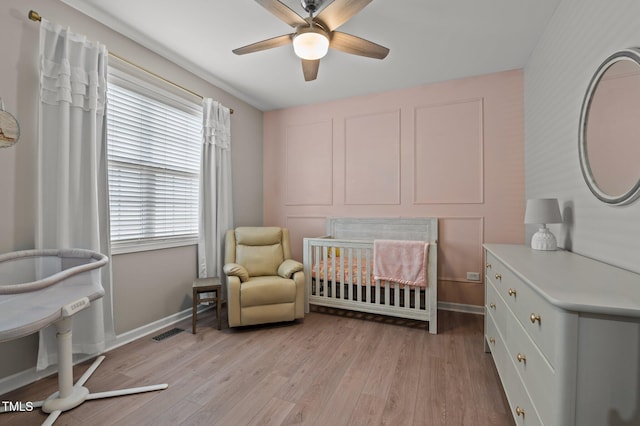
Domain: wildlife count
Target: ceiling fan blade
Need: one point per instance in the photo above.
(310, 69)
(264, 44)
(283, 12)
(357, 46)
(340, 11)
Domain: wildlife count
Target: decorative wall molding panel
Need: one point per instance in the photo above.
(372, 158)
(448, 146)
(309, 164)
(460, 247)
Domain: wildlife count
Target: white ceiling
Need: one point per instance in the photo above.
(430, 41)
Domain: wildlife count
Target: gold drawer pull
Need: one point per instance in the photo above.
(534, 317)
(498, 277)
(492, 305)
(492, 340)
(519, 411)
(512, 292)
(488, 266)
(522, 358)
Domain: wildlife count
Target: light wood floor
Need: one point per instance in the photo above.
(333, 368)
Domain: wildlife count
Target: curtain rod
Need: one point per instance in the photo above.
(35, 16)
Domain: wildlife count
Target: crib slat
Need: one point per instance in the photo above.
(386, 293)
(316, 266)
(367, 275)
(333, 279)
(348, 277)
(359, 272)
(339, 266)
(396, 294)
(324, 291)
(347, 261)
(407, 295)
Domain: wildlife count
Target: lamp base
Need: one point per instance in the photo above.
(543, 240)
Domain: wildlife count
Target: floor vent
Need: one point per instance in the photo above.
(167, 334)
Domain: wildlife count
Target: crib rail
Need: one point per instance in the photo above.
(339, 273)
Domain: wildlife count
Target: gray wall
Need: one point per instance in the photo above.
(148, 286)
(581, 34)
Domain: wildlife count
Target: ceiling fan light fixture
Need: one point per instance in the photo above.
(311, 44)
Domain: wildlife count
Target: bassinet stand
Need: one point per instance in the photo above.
(69, 395)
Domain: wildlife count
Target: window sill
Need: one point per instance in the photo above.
(123, 247)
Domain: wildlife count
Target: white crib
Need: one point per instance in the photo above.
(338, 268)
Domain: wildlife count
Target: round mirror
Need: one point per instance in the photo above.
(609, 138)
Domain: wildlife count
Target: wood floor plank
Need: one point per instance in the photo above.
(353, 380)
(273, 413)
(367, 410)
(242, 365)
(254, 402)
(314, 401)
(334, 367)
(161, 407)
(403, 392)
(313, 365)
(385, 359)
(432, 407)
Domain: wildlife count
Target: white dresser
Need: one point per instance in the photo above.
(564, 333)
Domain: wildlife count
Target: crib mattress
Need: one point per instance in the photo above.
(345, 271)
(348, 272)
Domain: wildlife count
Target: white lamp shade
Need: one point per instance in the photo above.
(542, 211)
(311, 45)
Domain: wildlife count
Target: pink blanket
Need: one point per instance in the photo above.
(398, 261)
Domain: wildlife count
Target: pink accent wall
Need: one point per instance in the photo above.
(453, 150)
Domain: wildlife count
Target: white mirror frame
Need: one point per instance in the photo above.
(634, 192)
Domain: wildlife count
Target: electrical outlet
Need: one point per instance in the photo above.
(473, 276)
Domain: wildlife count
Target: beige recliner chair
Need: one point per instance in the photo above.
(263, 283)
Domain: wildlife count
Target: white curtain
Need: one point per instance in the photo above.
(72, 171)
(216, 207)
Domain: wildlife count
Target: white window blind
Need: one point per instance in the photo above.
(154, 141)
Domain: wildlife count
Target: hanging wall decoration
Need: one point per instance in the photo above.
(9, 128)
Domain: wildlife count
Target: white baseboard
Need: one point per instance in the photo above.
(145, 330)
(23, 378)
(461, 307)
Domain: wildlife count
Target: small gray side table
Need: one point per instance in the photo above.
(206, 285)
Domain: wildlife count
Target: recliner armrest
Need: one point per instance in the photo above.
(236, 270)
(289, 267)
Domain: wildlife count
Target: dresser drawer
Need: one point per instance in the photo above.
(527, 305)
(496, 345)
(495, 270)
(511, 381)
(517, 396)
(535, 372)
(522, 409)
(496, 307)
(538, 318)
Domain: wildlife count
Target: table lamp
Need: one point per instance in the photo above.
(543, 211)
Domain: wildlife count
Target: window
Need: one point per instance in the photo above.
(153, 143)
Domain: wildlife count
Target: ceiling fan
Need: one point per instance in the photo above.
(314, 35)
